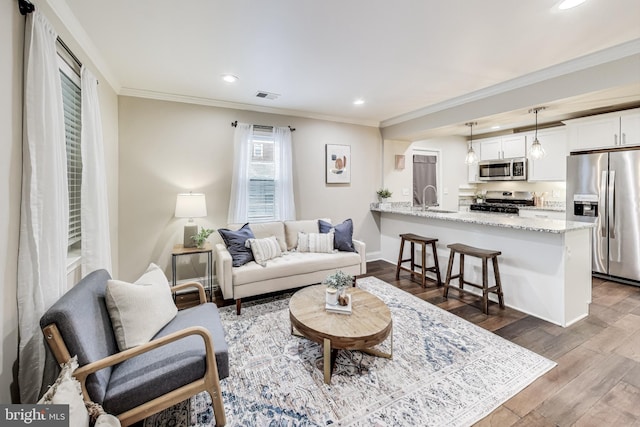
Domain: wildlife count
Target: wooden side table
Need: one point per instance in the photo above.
(179, 250)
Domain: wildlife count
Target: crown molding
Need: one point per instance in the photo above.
(80, 36)
(578, 64)
(162, 96)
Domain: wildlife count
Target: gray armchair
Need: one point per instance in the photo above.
(187, 356)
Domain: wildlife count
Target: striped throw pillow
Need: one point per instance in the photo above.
(316, 242)
(264, 249)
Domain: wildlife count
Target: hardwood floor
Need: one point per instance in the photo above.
(597, 379)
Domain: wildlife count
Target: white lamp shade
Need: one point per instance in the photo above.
(191, 205)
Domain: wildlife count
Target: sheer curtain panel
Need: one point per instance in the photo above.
(44, 216)
(285, 206)
(94, 211)
(239, 202)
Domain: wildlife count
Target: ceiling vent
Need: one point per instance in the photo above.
(266, 95)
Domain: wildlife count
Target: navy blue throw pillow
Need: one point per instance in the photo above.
(343, 238)
(235, 241)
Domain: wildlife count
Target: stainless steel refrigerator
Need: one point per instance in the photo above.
(604, 188)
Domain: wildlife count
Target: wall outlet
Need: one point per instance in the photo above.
(405, 191)
(445, 191)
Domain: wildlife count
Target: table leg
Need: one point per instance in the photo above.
(378, 353)
(327, 361)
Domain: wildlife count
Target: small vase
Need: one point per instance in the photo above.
(332, 296)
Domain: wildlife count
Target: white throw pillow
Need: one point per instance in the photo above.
(139, 310)
(316, 242)
(264, 249)
(67, 391)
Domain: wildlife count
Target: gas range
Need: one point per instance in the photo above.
(506, 202)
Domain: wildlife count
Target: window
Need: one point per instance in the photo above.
(71, 100)
(262, 178)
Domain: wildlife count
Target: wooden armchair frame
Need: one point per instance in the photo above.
(210, 382)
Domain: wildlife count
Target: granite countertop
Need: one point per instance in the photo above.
(544, 225)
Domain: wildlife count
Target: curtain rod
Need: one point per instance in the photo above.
(235, 124)
(66, 48)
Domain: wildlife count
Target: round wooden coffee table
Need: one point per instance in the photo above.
(368, 324)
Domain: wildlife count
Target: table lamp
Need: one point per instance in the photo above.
(190, 205)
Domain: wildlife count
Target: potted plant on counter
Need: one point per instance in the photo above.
(383, 195)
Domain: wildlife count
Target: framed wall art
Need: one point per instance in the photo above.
(338, 164)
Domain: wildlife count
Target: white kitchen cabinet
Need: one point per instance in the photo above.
(504, 147)
(539, 213)
(611, 130)
(472, 173)
(553, 166)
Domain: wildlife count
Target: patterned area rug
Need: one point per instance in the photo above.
(444, 371)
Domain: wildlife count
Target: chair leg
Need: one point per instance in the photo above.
(435, 259)
(496, 272)
(461, 276)
(485, 287)
(445, 292)
(424, 265)
(413, 259)
(400, 258)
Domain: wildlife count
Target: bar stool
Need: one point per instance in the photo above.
(484, 254)
(422, 241)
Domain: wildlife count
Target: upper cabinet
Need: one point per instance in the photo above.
(502, 147)
(553, 166)
(618, 129)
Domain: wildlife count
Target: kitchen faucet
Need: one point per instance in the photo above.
(424, 198)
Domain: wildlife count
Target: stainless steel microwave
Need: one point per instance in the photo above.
(503, 170)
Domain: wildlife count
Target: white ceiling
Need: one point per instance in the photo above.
(399, 56)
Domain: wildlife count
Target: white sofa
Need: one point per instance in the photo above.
(291, 270)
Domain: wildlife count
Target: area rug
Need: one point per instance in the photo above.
(445, 371)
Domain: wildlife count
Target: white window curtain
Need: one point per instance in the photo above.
(285, 206)
(44, 215)
(94, 211)
(239, 200)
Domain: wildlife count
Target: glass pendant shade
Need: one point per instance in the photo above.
(537, 150)
(472, 157)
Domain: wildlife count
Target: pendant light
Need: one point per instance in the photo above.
(472, 157)
(536, 150)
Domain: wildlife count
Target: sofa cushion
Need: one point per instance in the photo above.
(265, 229)
(235, 242)
(264, 249)
(293, 263)
(315, 242)
(343, 239)
(292, 228)
(186, 357)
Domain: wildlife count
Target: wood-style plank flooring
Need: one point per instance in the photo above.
(597, 379)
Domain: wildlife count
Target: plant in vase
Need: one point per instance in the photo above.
(383, 195)
(337, 284)
(201, 238)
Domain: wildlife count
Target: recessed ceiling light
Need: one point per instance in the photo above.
(359, 101)
(229, 78)
(568, 4)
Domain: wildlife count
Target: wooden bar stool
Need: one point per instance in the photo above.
(484, 254)
(422, 241)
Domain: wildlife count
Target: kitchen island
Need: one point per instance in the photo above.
(545, 266)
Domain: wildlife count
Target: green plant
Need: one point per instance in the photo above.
(201, 237)
(338, 280)
(384, 193)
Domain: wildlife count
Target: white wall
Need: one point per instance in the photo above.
(170, 147)
(11, 44)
